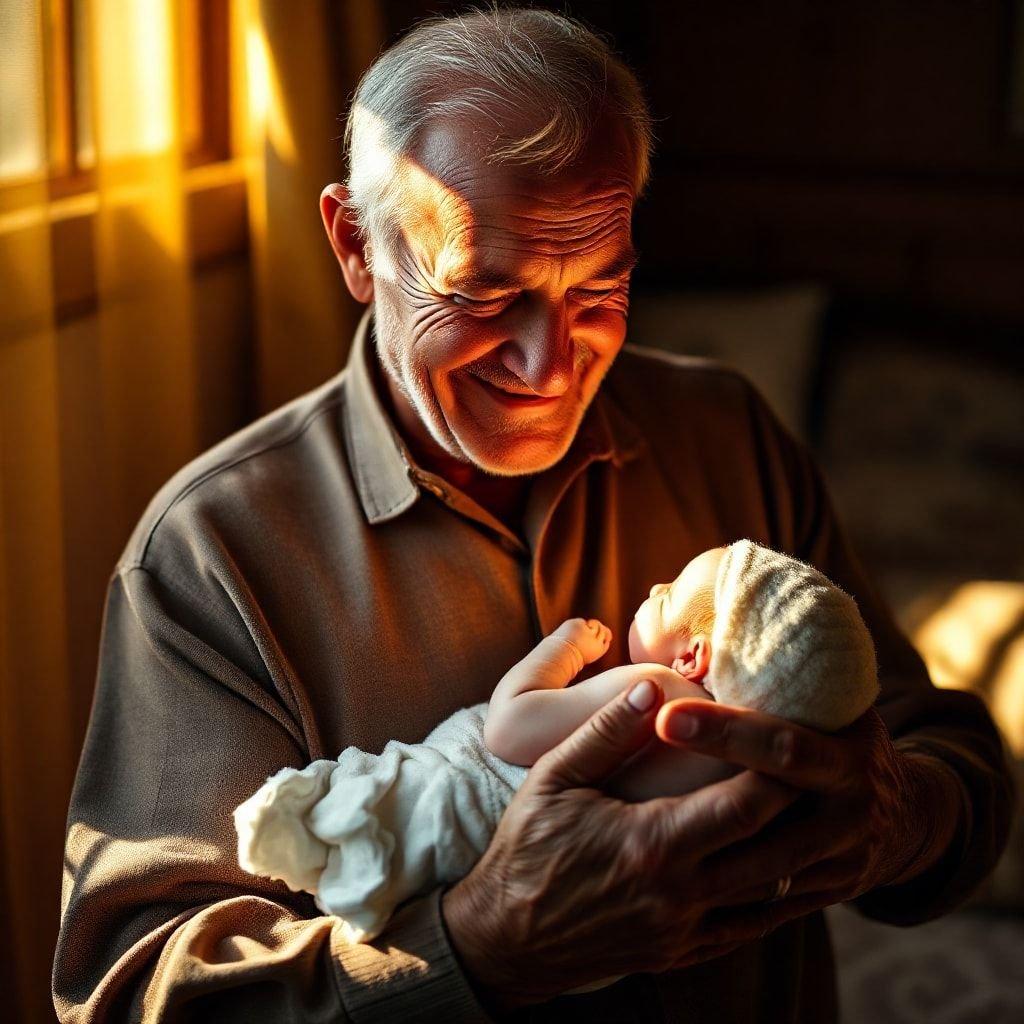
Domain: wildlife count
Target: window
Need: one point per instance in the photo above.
(50, 103)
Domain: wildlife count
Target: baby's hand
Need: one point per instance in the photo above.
(589, 636)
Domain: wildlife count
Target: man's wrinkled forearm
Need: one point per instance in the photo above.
(976, 813)
(935, 799)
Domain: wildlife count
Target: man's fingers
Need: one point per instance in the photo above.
(727, 925)
(602, 743)
(702, 953)
(783, 850)
(837, 874)
(717, 815)
(764, 743)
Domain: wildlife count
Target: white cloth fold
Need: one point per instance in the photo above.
(368, 831)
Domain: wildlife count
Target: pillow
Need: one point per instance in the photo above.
(923, 450)
(770, 335)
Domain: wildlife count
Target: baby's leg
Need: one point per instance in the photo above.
(556, 661)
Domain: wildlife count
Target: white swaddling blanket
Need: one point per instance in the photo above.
(368, 831)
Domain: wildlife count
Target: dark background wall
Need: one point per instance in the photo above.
(873, 150)
(864, 143)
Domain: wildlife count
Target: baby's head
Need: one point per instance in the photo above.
(763, 630)
(674, 625)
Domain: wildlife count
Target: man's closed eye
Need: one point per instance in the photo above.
(482, 305)
(592, 296)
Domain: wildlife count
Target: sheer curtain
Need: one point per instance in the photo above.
(36, 745)
(292, 129)
(101, 401)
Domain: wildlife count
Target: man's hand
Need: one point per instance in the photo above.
(871, 815)
(577, 886)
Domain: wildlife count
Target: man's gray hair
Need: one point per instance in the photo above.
(501, 63)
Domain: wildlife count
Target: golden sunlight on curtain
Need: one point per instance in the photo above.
(290, 131)
(151, 302)
(143, 285)
(36, 750)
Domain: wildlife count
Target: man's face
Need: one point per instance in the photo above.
(506, 300)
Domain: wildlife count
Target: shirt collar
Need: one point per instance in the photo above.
(381, 462)
(387, 478)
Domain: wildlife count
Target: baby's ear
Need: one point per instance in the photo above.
(695, 660)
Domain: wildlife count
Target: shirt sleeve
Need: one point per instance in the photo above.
(158, 921)
(951, 726)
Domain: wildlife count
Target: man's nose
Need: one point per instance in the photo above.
(544, 349)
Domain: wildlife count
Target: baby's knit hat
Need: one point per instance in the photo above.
(788, 641)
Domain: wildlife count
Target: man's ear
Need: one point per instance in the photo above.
(345, 241)
(694, 662)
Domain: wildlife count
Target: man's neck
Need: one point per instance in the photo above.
(503, 496)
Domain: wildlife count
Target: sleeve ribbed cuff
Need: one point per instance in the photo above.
(408, 973)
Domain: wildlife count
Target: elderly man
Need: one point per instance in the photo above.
(368, 559)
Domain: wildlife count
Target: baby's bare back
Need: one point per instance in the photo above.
(660, 769)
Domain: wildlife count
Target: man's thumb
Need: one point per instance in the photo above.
(603, 742)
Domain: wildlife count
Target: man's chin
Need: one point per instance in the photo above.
(515, 458)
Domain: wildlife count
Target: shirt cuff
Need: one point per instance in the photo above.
(408, 973)
(942, 886)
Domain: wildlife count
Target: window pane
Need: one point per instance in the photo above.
(22, 105)
(133, 76)
(85, 155)
(191, 83)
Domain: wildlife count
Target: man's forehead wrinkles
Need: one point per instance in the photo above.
(554, 214)
(568, 201)
(549, 244)
(579, 229)
(465, 237)
(480, 274)
(579, 233)
(500, 233)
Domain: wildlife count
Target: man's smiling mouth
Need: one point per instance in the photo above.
(513, 399)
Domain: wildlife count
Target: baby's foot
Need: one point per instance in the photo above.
(589, 636)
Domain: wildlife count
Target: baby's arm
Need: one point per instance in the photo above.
(531, 710)
(525, 692)
(556, 661)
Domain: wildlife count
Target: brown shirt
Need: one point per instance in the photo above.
(304, 586)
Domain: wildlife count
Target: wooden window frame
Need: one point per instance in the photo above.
(207, 58)
(213, 176)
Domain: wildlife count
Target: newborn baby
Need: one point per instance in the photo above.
(741, 624)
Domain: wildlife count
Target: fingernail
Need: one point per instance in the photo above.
(642, 695)
(682, 727)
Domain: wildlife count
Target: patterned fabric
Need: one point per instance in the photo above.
(966, 968)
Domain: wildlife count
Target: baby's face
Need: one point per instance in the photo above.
(665, 623)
